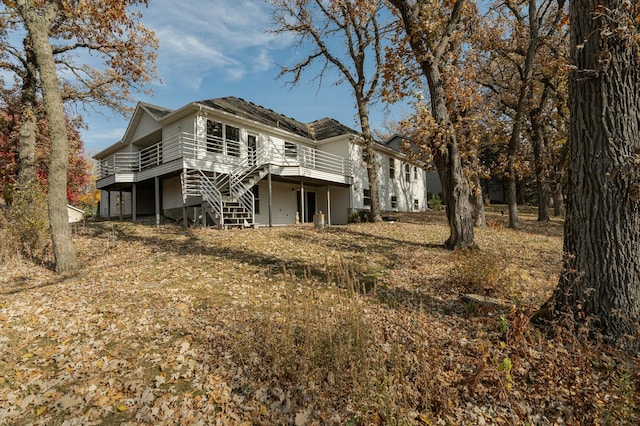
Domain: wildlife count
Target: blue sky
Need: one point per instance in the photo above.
(216, 48)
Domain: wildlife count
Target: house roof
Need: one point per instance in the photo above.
(326, 128)
(156, 112)
(249, 110)
(318, 130)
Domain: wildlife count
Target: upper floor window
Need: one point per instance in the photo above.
(392, 168)
(215, 138)
(232, 136)
(415, 173)
(223, 139)
(407, 172)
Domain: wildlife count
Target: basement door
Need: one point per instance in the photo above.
(309, 205)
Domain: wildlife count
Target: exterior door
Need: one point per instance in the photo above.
(309, 206)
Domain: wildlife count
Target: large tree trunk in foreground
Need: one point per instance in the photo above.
(38, 29)
(600, 285)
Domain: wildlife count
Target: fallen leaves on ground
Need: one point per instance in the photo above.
(358, 324)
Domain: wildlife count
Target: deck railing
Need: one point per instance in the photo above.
(188, 146)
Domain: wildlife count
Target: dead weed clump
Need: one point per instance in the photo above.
(342, 358)
(482, 272)
(24, 228)
(553, 376)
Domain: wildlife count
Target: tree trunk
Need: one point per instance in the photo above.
(477, 202)
(512, 194)
(558, 199)
(455, 185)
(372, 165)
(38, 30)
(514, 141)
(540, 163)
(556, 186)
(27, 133)
(599, 285)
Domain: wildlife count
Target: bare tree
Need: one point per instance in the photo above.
(355, 23)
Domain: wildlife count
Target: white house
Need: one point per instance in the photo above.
(229, 162)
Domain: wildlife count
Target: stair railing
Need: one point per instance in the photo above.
(211, 194)
(197, 183)
(254, 160)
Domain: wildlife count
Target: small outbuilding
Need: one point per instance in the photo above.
(75, 214)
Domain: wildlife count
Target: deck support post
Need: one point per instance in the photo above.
(157, 199)
(120, 210)
(108, 204)
(185, 220)
(134, 202)
(269, 197)
(301, 202)
(328, 206)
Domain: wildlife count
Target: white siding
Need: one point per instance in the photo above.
(283, 201)
(184, 125)
(146, 125)
(339, 205)
(339, 147)
(114, 200)
(171, 193)
(405, 191)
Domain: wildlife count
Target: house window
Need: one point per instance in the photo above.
(215, 142)
(366, 197)
(407, 172)
(394, 202)
(392, 168)
(415, 174)
(365, 157)
(416, 204)
(256, 199)
(232, 136)
(290, 150)
(252, 147)
(223, 139)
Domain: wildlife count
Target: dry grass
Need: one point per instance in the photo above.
(361, 324)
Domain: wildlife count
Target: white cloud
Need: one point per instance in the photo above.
(201, 37)
(263, 61)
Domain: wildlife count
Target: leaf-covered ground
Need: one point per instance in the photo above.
(357, 324)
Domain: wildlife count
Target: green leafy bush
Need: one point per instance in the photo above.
(435, 202)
